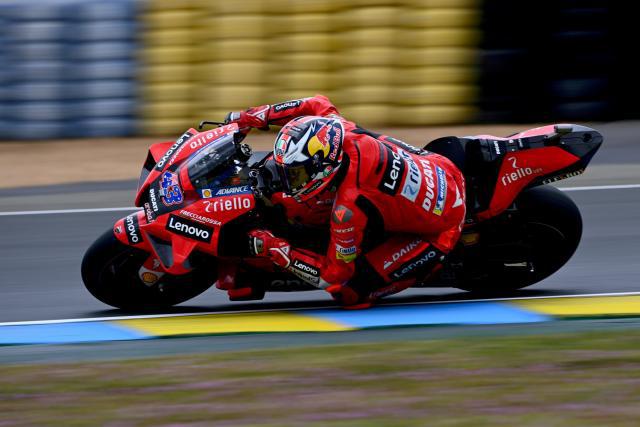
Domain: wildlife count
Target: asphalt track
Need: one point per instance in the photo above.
(40, 254)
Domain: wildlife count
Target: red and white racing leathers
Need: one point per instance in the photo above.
(397, 209)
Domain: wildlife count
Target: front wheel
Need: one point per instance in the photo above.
(110, 273)
(525, 246)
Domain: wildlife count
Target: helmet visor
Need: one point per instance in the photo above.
(293, 178)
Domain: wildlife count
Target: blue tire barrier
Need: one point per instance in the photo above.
(76, 90)
(99, 31)
(39, 91)
(89, 10)
(105, 89)
(69, 68)
(97, 70)
(96, 51)
(4, 128)
(42, 10)
(37, 51)
(36, 31)
(102, 127)
(40, 111)
(36, 71)
(116, 107)
(37, 130)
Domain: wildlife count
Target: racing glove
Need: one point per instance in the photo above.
(263, 243)
(251, 118)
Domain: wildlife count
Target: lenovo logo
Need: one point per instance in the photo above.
(188, 228)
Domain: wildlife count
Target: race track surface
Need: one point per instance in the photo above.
(40, 255)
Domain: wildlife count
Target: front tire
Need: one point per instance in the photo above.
(110, 273)
(546, 232)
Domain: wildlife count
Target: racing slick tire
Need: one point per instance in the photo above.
(110, 273)
(550, 229)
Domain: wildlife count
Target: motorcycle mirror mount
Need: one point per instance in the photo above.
(206, 122)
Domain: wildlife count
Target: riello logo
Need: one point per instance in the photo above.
(518, 173)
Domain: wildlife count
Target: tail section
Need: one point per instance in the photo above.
(498, 169)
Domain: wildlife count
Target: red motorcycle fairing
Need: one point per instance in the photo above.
(166, 154)
(178, 217)
(173, 236)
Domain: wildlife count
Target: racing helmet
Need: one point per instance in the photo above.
(307, 154)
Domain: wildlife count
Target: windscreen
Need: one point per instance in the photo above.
(211, 166)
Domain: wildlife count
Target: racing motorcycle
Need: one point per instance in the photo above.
(201, 194)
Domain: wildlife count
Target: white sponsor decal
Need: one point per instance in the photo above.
(131, 229)
(394, 172)
(442, 191)
(412, 266)
(199, 217)
(230, 204)
(177, 225)
(458, 201)
(306, 268)
(427, 171)
(344, 230)
(518, 173)
(411, 186)
(346, 250)
(399, 254)
(172, 149)
(232, 190)
(154, 200)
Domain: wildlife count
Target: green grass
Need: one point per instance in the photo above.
(586, 379)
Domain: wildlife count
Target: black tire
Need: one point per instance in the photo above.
(110, 273)
(550, 228)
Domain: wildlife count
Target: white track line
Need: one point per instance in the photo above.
(600, 187)
(158, 316)
(71, 211)
(67, 211)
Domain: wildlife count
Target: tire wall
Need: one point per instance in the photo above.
(96, 68)
(68, 68)
(558, 60)
(383, 62)
(92, 68)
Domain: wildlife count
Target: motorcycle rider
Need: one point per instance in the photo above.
(394, 210)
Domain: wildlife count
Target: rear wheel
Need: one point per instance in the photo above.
(110, 273)
(524, 246)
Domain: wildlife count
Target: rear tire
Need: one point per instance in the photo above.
(549, 234)
(110, 273)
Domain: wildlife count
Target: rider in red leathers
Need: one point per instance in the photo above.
(394, 211)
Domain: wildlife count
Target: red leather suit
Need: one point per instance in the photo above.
(395, 211)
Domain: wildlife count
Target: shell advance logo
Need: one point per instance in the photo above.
(208, 193)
